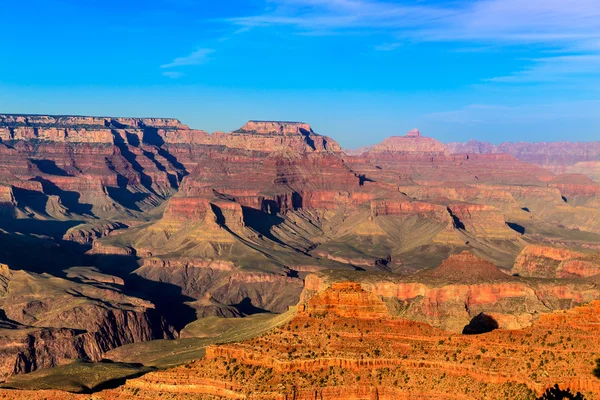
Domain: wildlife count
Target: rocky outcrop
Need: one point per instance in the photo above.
(48, 321)
(395, 207)
(411, 143)
(88, 233)
(553, 262)
(276, 128)
(481, 220)
(465, 286)
(344, 299)
(465, 268)
(576, 187)
(209, 307)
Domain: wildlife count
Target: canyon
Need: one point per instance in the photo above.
(119, 234)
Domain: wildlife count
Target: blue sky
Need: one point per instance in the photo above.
(357, 70)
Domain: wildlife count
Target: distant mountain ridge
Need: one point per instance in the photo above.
(559, 157)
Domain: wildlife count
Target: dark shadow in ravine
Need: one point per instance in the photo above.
(115, 383)
(145, 179)
(262, 222)
(34, 200)
(49, 167)
(52, 229)
(247, 308)
(69, 199)
(482, 323)
(516, 227)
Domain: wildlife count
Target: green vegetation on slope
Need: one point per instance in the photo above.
(201, 333)
(78, 377)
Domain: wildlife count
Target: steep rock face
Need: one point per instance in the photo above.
(345, 299)
(94, 166)
(577, 188)
(391, 207)
(26, 349)
(103, 166)
(230, 206)
(495, 179)
(52, 320)
(498, 197)
(7, 202)
(88, 233)
(552, 262)
(464, 286)
(482, 220)
(277, 128)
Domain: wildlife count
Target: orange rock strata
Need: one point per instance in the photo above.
(554, 262)
(381, 357)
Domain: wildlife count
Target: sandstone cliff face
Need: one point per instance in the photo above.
(553, 262)
(463, 287)
(577, 189)
(277, 128)
(94, 166)
(345, 299)
(482, 220)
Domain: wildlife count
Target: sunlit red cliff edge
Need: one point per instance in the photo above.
(435, 237)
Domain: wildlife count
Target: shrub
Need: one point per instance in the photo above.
(556, 393)
(596, 370)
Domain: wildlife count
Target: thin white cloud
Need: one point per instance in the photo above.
(570, 27)
(173, 74)
(198, 57)
(552, 69)
(388, 46)
(322, 15)
(523, 114)
(505, 20)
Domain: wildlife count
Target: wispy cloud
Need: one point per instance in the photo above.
(198, 57)
(505, 20)
(323, 15)
(474, 114)
(552, 69)
(388, 46)
(568, 27)
(173, 74)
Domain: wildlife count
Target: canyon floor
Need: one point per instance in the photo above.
(140, 258)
